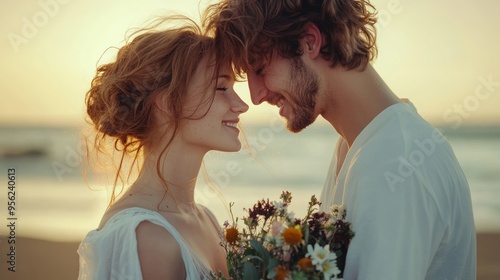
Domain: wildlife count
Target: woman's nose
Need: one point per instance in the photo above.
(239, 105)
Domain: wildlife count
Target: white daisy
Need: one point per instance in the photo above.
(330, 269)
(319, 255)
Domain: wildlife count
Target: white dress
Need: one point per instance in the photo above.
(111, 253)
(408, 201)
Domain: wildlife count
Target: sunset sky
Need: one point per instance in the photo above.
(442, 55)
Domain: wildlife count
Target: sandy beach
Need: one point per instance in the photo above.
(47, 260)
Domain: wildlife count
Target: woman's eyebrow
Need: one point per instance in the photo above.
(226, 76)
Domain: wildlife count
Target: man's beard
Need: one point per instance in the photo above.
(305, 86)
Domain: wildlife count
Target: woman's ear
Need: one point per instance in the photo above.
(161, 105)
(312, 41)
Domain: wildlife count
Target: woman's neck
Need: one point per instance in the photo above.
(169, 178)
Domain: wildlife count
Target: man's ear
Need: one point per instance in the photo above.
(312, 41)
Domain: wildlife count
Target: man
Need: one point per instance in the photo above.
(405, 193)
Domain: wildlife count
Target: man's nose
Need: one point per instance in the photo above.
(257, 87)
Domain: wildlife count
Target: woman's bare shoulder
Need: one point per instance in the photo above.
(159, 253)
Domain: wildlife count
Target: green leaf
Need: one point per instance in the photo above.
(271, 274)
(306, 238)
(250, 272)
(299, 275)
(273, 263)
(260, 250)
(271, 271)
(251, 257)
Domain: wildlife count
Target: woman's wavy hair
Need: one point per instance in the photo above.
(121, 102)
(250, 31)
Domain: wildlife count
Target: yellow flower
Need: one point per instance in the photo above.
(292, 235)
(305, 263)
(231, 235)
(281, 273)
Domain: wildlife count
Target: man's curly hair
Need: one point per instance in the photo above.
(250, 31)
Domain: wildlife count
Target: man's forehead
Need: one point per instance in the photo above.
(258, 61)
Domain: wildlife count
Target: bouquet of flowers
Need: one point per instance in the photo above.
(274, 244)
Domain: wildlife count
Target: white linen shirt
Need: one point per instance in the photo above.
(407, 199)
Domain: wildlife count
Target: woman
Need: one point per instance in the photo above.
(168, 101)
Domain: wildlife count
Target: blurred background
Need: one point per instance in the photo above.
(443, 56)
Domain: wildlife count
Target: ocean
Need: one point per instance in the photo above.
(54, 201)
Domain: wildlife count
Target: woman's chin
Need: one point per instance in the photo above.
(230, 148)
(235, 148)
